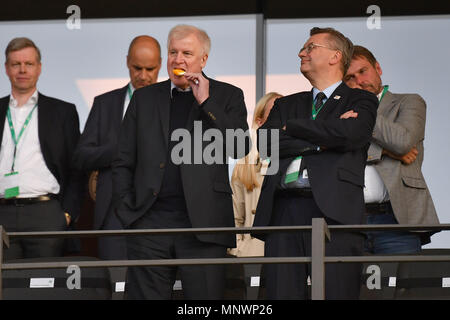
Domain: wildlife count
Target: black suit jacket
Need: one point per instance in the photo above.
(143, 151)
(98, 147)
(59, 130)
(336, 174)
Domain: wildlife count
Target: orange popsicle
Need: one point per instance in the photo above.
(179, 72)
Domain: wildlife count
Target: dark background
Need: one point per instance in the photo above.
(272, 9)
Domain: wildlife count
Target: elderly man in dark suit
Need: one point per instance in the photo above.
(98, 143)
(321, 172)
(155, 190)
(39, 188)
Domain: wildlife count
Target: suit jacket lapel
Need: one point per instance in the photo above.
(44, 123)
(118, 114)
(331, 103)
(306, 100)
(386, 102)
(164, 109)
(194, 114)
(3, 107)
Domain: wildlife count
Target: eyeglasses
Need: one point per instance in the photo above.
(310, 47)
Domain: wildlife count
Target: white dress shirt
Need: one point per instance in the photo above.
(374, 190)
(127, 98)
(34, 178)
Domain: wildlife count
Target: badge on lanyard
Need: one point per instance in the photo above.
(11, 182)
(11, 179)
(293, 170)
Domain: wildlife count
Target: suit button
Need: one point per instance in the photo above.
(162, 165)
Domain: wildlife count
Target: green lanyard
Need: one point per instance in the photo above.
(386, 88)
(130, 93)
(314, 111)
(13, 133)
(293, 171)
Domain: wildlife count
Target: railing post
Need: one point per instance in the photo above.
(318, 233)
(3, 240)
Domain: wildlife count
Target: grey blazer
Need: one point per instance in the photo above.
(400, 126)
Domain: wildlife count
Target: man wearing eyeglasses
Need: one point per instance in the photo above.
(395, 189)
(321, 170)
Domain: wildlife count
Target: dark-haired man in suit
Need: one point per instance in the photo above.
(321, 171)
(155, 190)
(39, 188)
(98, 143)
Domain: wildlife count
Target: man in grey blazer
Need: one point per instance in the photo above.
(395, 189)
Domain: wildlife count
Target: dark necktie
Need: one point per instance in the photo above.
(319, 100)
(319, 103)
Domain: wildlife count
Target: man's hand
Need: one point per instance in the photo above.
(199, 85)
(68, 218)
(349, 114)
(407, 158)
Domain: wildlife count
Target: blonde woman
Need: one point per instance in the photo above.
(246, 183)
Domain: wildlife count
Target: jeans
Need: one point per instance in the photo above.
(390, 242)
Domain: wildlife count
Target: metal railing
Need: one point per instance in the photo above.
(321, 232)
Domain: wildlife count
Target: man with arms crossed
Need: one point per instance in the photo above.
(395, 189)
(321, 171)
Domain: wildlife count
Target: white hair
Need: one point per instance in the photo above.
(182, 31)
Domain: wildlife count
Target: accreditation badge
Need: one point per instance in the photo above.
(293, 170)
(11, 182)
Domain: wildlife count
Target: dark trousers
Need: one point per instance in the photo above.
(41, 216)
(289, 281)
(198, 282)
(112, 248)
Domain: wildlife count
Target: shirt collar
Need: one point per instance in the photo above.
(381, 93)
(130, 92)
(328, 91)
(172, 86)
(31, 101)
